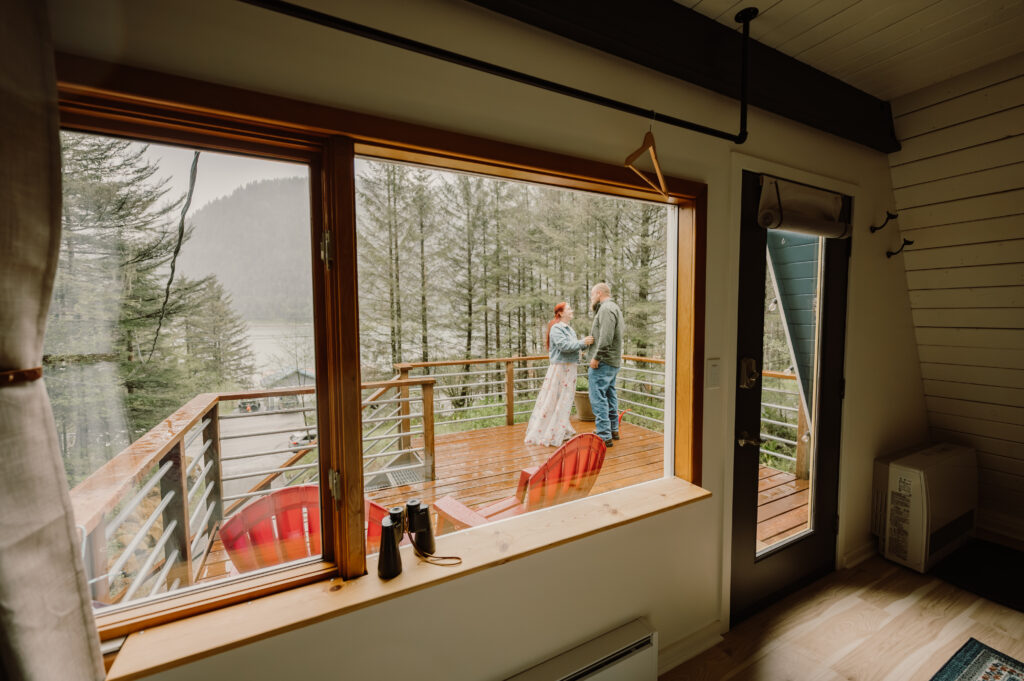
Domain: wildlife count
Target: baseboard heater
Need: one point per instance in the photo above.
(628, 653)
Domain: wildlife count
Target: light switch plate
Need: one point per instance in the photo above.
(713, 375)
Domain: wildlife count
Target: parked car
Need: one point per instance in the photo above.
(248, 406)
(302, 437)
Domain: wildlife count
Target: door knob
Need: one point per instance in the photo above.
(748, 373)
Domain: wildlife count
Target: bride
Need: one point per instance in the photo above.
(549, 422)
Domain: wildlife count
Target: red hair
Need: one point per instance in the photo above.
(559, 309)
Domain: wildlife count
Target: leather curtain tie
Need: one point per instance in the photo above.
(20, 376)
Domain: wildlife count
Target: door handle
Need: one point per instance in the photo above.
(744, 440)
(748, 373)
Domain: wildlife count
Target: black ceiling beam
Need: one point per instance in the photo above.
(680, 42)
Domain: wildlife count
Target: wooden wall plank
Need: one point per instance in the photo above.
(964, 210)
(990, 100)
(989, 155)
(967, 134)
(972, 232)
(966, 277)
(977, 410)
(967, 255)
(1013, 397)
(974, 338)
(982, 427)
(998, 462)
(988, 318)
(952, 298)
(990, 445)
(980, 357)
(979, 183)
(972, 81)
(1006, 378)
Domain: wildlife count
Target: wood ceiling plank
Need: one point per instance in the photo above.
(868, 19)
(771, 21)
(964, 49)
(913, 30)
(807, 21)
(843, 17)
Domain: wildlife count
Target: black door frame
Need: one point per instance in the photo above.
(755, 580)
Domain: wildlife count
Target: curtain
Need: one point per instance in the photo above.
(47, 630)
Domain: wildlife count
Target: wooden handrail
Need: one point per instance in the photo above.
(400, 382)
(502, 360)
(778, 374)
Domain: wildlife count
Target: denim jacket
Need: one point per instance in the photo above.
(564, 345)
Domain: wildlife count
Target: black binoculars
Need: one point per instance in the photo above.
(414, 518)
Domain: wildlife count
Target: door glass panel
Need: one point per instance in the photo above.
(790, 361)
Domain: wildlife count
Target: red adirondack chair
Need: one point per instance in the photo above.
(274, 529)
(569, 474)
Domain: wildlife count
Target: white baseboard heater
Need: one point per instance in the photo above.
(629, 653)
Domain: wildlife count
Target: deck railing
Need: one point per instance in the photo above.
(784, 432)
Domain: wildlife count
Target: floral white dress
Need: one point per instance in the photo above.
(549, 422)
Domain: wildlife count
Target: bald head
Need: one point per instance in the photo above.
(599, 293)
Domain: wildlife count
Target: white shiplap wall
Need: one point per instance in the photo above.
(959, 189)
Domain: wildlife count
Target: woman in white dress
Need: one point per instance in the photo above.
(549, 422)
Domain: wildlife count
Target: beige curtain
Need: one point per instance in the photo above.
(46, 625)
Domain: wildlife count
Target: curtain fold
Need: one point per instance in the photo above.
(47, 629)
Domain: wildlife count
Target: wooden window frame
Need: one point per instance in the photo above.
(104, 98)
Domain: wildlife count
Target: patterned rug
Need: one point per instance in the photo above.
(977, 662)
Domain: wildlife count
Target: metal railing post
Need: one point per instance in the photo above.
(177, 510)
(428, 429)
(510, 394)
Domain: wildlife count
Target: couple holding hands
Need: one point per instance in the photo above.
(549, 421)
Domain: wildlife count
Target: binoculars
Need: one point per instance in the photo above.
(414, 517)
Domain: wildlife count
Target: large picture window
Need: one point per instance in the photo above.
(266, 331)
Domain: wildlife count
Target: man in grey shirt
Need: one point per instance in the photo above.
(605, 357)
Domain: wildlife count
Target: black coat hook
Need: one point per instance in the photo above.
(888, 216)
(906, 242)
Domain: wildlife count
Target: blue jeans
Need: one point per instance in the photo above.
(604, 400)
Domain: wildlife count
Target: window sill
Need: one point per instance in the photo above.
(193, 638)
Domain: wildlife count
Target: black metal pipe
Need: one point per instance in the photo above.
(744, 16)
(336, 23)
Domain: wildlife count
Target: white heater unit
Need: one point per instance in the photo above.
(931, 498)
(629, 653)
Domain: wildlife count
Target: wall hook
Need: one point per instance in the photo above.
(906, 242)
(888, 216)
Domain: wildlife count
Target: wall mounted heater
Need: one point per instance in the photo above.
(629, 653)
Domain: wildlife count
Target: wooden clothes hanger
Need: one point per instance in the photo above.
(648, 145)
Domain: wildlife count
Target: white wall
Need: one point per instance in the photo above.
(959, 186)
(671, 568)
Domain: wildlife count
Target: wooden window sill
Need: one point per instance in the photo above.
(176, 643)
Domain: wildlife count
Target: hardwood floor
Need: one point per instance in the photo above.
(875, 622)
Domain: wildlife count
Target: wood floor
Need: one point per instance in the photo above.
(875, 622)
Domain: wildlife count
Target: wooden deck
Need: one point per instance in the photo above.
(782, 505)
(480, 466)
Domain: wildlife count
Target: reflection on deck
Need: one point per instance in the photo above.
(782, 505)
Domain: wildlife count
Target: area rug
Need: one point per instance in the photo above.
(975, 661)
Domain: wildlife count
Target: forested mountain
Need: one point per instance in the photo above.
(257, 241)
(455, 266)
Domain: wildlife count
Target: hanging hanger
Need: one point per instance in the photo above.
(648, 146)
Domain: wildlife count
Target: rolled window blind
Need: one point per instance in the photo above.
(794, 207)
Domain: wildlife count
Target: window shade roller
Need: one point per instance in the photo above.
(794, 207)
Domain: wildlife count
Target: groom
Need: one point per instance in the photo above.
(605, 357)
